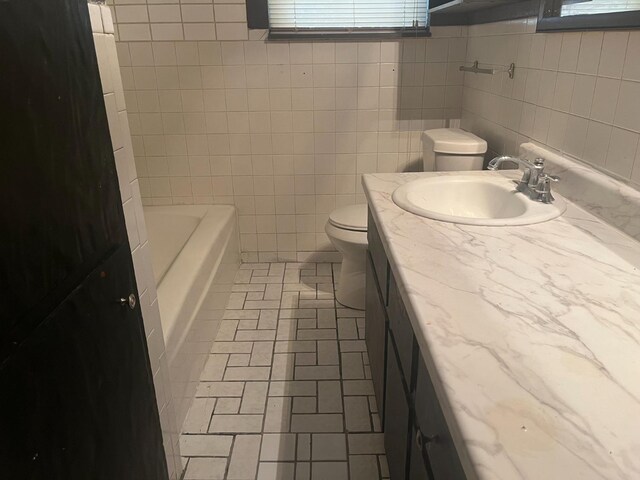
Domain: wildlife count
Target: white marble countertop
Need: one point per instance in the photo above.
(531, 335)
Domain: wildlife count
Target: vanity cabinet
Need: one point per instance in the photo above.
(416, 436)
(376, 318)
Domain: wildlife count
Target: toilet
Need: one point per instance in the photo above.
(452, 149)
(347, 230)
(444, 149)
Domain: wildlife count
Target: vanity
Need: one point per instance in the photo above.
(505, 352)
(413, 421)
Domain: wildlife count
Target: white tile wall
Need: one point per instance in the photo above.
(104, 40)
(578, 93)
(282, 130)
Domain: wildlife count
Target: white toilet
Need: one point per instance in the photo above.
(444, 149)
(452, 149)
(347, 230)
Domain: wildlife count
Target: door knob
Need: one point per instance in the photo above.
(130, 300)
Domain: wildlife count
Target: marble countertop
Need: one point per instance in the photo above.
(531, 335)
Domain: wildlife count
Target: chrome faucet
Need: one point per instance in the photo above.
(534, 182)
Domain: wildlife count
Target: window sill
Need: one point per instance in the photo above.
(302, 36)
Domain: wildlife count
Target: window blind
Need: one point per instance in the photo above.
(598, 6)
(347, 15)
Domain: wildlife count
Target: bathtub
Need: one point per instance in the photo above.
(195, 255)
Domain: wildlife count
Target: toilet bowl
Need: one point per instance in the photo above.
(347, 230)
(444, 149)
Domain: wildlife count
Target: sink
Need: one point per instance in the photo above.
(489, 200)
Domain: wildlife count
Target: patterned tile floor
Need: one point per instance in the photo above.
(286, 392)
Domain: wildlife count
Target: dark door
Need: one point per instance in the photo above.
(76, 391)
(77, 394)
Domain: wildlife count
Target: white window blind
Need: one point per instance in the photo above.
(340, 15)
(599, 6)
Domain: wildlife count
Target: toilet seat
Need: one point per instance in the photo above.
(350, 217)
(356, 238)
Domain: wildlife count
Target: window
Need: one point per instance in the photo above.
(596, 7)
(316, 18)
(588, 15)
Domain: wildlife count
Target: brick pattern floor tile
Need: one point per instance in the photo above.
(286, 391)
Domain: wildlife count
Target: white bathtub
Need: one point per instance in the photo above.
(195, 255)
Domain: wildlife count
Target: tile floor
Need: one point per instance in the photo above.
(286, 392)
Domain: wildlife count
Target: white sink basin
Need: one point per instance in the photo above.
(474, 200)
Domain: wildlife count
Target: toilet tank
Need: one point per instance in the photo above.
(450, 149)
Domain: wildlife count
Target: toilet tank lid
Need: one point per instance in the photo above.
(351, 217)
(454, 141)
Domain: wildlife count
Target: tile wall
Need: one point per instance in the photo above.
(578, 93)
(105, 45)
(282, 130)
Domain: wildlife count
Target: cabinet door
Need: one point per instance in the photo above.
(396, 423)
(78, 400)
(437, 443)
(375, 334)
(400, 326)
(378, 256)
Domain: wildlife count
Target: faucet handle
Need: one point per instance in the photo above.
(543, 189)
(544, 181)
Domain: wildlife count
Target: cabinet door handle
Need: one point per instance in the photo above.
(419, 441)
(423, 441)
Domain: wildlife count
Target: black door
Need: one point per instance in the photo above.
(77, 396)
(76, 390)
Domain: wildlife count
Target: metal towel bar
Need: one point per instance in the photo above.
(488, 71)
